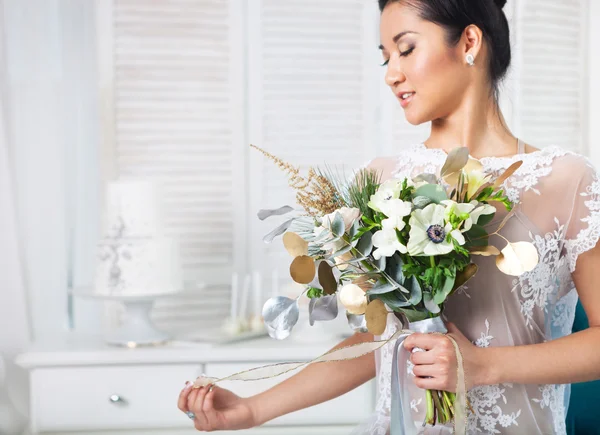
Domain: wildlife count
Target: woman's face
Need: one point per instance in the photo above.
(428, 77)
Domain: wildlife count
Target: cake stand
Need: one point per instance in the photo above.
(137, 329)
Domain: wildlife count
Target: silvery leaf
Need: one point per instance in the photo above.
(353, 229)
(264, 214)
(381, 288)
(277, 231)
(394, 269)
(416, 292)
(421, 202)
(357, 322)
(380, 263)
(342, 251)
(338, 227)
(365, 245)
(428, 178)
(280, 314)
(435, 192)
(394, 300)
(429, 304)
(322, 309)
(441, 295)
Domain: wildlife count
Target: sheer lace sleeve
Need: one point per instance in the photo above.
(583, 228)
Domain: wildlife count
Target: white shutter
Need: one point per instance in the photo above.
(550, 59)
(178, 119)
(313, 100)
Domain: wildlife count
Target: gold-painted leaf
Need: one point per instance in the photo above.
(342, 262)
(326, 278)
(509, 171)
(376, 316)
(466, 274)
(363, 282)
(295, 244)
(517, 258)
(486, 251)
(472, 165)
(303, 269)
(456, 160)
(353, 298)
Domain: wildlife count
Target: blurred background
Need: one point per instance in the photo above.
(174, 91)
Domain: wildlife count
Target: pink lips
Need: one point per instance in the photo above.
(405, 102)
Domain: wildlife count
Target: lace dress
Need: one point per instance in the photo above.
(558, 196)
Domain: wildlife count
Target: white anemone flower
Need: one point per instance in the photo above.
(387, 243)
(428, 232)
(388, 191)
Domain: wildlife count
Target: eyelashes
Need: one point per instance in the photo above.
(402, 54)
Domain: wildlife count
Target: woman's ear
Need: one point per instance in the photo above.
(472, 40)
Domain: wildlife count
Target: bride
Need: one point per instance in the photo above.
(444, 61)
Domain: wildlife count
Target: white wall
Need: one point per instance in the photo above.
(594, 83)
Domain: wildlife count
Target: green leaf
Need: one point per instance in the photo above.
(394, 300)
(434, 192)
(365, 244)
(354, 229)
(429, 178)
(485, 219)
(413, 315)
(394, 269)
(431, 306)
(337, 226)
(314, 292)
(476, 236)
(381, 288)
(441, 295)
(421, 202)
(416, 292)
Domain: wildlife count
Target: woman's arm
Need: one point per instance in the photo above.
(570, 359)
(315, 384)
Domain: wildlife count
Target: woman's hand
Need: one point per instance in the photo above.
(216, 408)
(436, 368)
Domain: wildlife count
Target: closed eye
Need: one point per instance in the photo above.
(402, 54)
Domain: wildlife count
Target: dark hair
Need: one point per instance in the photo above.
(455, 15)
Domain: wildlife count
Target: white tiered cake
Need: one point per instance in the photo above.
(134, 256)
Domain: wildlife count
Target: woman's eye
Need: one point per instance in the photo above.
(407, 52)
(385, 62)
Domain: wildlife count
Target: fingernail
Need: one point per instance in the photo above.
(188, 385)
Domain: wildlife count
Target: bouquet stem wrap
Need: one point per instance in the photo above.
(400, 413)
(401, 421)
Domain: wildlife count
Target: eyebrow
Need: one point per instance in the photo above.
(397, 37)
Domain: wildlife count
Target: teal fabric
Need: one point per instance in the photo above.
(583, 417)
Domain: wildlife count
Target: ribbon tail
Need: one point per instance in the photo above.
(400, 410)
(460, 405)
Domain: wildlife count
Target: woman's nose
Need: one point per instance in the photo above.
(394, 74)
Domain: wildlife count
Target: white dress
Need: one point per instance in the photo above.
(558, 196)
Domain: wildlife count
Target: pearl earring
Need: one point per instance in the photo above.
(470, 59)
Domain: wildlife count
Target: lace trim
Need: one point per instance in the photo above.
(588, 237)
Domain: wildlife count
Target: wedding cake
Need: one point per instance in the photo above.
(135, 258)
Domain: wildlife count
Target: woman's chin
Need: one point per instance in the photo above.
(415, 118)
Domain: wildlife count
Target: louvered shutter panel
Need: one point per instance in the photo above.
(313, 101)
(550, 72)
(177, 121)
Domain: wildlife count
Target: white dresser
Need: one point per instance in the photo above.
(80, 386)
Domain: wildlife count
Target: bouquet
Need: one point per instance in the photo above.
(403, 246)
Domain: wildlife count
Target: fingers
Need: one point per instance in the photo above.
(192, 398)
(424, 341)
(427, 357)
(182, 401)
(209, 400)
(203, 420)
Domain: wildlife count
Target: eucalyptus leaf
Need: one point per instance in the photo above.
(456, 160)
(416, 292)
(381, 263)
(413, 315)
(381, 288)
(434, 192)
(337, 226)
(428, 178)
(357, 322)
(431, 306)
(353, 229)
(365, 244)
(326, 278)
(394, 300)
(278, 231)
(280, 315)
(342, 251)
(442, 294)
(322, 309)
(420, 202)
(264, 214)
(394, 269)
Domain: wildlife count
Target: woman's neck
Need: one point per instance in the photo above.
(478, 124)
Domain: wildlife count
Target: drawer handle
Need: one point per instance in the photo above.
(115, 398)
